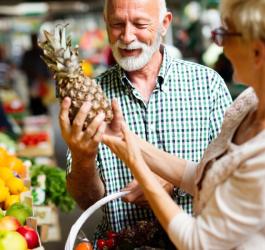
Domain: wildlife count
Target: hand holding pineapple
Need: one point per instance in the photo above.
(82, 143)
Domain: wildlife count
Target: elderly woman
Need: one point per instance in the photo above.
(229, 183)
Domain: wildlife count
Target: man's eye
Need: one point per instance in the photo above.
(116, 24)
(141, 25)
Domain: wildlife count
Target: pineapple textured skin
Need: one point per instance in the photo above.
(62, 59)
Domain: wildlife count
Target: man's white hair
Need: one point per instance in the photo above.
(163, 9)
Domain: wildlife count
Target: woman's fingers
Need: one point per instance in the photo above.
(93, 127)
(99, 133)
(117, 110)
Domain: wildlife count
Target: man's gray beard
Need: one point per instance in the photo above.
(134, 63)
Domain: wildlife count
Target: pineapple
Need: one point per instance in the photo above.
(62, 59)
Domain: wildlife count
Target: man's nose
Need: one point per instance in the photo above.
(128, 34)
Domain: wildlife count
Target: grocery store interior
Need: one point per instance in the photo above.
(29, 103)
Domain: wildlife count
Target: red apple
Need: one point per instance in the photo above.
(30, 235)
(9, 223)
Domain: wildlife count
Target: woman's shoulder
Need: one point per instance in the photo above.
(252, 152)
(246, 102)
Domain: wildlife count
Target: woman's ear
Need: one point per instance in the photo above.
(166, 22)
(259, 53)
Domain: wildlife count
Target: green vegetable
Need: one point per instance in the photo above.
(56, 192)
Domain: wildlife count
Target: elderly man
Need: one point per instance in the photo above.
(176, 105)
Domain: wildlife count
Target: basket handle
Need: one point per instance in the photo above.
(69, 245)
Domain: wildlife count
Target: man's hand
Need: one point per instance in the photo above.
(81, 143)
(136, 194)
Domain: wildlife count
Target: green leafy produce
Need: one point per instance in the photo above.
(55, 191)
(9, 143)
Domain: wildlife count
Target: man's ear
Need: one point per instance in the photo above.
(259, 53)
(166, 22)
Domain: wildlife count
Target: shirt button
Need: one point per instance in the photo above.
(152, 127)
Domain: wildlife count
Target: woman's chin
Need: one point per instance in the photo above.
(237, 79)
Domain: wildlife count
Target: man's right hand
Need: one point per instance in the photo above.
(82, 144)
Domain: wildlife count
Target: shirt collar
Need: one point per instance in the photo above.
(162, 75)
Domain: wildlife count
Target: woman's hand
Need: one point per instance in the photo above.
(125, 147)
(114, 128)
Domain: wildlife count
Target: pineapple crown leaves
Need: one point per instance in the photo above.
(59, 55)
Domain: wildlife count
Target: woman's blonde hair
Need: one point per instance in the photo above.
(246, 16)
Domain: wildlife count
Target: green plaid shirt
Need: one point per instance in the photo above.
(184, 114)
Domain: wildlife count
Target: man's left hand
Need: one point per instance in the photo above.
(136, 195)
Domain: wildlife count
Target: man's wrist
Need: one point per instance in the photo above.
(178, 192)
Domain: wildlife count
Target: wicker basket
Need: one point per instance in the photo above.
(85, 215)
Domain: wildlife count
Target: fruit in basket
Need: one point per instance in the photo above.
(30, 235)
(101, 244)
(85, 245)
(20, 211)
(11, 240)
(9, 223)
(62, 59)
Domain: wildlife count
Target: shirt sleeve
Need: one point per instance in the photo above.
(234, 213)
(188, 179)
(68, 162)
(221, 100)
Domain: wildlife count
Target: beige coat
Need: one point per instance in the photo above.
(229, 195)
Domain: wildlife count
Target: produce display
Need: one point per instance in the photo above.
(12, 172)
(34, 139)
(55, 186)
(14, 211)
(12, 230)
(12, 105)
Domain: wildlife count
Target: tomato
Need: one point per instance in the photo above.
(110, 243)
(84, 246)
(111, 235)
(101, 244)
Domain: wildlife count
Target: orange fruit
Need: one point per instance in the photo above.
(6, 173)
(3, 157)
(15, 185)
(2, 183)
(17, 166)
(4, 193)
(84, 246)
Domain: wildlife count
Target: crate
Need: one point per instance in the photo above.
(48, 222)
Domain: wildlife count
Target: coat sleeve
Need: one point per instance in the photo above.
(234, 213)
